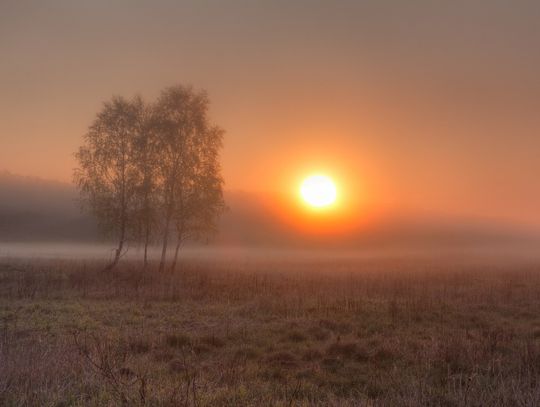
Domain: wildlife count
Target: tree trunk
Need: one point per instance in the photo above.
(147, 234)
(146, 241)
(117, 254)
(169, 213)
(164, 247)
(123, 217)
(173, 265)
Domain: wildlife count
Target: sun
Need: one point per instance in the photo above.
(318, 191)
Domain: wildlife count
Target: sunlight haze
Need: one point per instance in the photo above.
(416, 108)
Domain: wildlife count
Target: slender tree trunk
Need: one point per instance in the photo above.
(178, 244)
(146, 224)
(117, 254)
(169, 213)
(164, 247)
(146, 242)
(123, 216)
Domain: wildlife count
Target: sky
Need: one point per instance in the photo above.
(411, 106)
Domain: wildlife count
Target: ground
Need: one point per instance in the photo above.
(371, 332)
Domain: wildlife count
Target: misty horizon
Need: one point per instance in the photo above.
(51, 212)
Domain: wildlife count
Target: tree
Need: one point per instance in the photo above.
(200, 197)
(108, 170)
(189, 170)
(144, 168)
(145, 157)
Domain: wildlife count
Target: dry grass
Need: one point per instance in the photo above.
(371, 332)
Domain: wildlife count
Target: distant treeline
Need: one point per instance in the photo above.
(150, 172)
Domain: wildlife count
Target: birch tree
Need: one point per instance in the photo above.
(108, 171)
(146, 156)
(189, 167)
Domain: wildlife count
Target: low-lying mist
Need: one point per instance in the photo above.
(42, 219)
(279, 259)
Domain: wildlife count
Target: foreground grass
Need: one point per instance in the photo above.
(370, 332)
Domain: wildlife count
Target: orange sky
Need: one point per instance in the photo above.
(408, 105)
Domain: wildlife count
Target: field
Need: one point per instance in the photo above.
(385, 331)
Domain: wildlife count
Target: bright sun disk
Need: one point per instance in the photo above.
(318, 191)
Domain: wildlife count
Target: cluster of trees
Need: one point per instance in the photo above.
(151, 172)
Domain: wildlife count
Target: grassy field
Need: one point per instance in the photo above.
(389, 332)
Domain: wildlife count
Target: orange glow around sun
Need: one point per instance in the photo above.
(321, 204)
(321, 194)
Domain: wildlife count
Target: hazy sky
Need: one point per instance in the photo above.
(416, 105)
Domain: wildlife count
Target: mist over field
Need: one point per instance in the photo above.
(37, 215)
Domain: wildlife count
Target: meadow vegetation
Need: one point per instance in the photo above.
(311, 333)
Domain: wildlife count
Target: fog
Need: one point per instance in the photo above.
(283, 260)
(42, 219)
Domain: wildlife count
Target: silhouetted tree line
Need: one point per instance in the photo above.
(151, 172)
